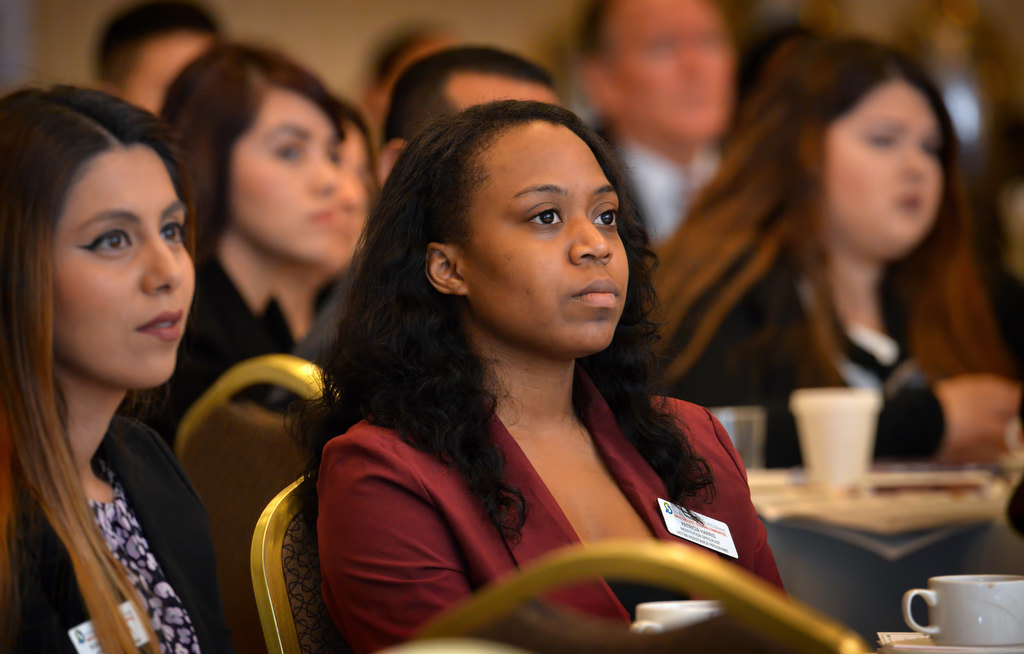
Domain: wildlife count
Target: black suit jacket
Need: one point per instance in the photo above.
(221, 332)
(174, 523)
(745, 365)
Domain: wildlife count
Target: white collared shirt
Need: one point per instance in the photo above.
(665, 189)
(881, 346)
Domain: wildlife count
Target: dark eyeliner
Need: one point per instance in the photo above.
(95, 243)
(98, 241)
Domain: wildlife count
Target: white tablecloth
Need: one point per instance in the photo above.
(858, 575)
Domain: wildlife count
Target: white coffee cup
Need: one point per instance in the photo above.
(971, 610)
(653, 617)
(836, 428)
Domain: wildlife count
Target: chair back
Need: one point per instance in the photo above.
(283, 370)
(285, 567)
(746, 598)
(238, 455)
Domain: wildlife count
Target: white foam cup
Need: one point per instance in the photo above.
(836, 428)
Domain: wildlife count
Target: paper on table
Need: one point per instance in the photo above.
(883, 513)
(882, 476)
(886, 514)
(893, 642)
(903, 638)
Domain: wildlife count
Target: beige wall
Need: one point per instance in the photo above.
(336, 37)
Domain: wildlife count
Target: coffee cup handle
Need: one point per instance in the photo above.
(646, 626)
(930, 598)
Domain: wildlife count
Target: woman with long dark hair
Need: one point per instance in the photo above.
(102, 539)
(262, 136)
(834, 248)
(489, 397)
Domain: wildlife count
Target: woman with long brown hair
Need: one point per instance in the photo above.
(277, 219)
(834, 248)
(104, 542)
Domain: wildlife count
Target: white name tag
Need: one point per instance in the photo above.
(83, 637)
(713, 534)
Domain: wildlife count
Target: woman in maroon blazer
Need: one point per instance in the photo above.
(491, 382)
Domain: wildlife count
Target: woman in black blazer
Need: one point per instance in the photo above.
(278, 210)
(834, 248)
(103, 537)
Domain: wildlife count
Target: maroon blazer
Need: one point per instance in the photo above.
(402, 537)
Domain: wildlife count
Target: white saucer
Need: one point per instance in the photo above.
(924, 645)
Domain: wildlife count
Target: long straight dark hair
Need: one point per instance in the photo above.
(46, 138)
(401, 358)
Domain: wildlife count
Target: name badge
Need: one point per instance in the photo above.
(83, 637)
(713, 534)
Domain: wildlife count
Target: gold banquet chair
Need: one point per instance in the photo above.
(284, 370)
(238, 455)
(748, 600)
(452, 646)
(285, 569)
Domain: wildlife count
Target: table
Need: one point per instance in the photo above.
(859, 577)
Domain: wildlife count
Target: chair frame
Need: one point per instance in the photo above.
(748, 598)
(285, 370)
(268, 575)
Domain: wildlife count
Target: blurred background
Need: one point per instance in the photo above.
(972, 47)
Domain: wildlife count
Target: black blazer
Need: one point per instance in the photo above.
(744, 365)
(221, 332)
(174, 523)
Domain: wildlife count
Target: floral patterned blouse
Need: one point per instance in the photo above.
(126, 541)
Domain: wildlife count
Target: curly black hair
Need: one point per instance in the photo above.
(402, 360)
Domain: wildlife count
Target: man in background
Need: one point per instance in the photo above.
(660, 75)
(145, 46)
(452, 80)
(397, 53)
